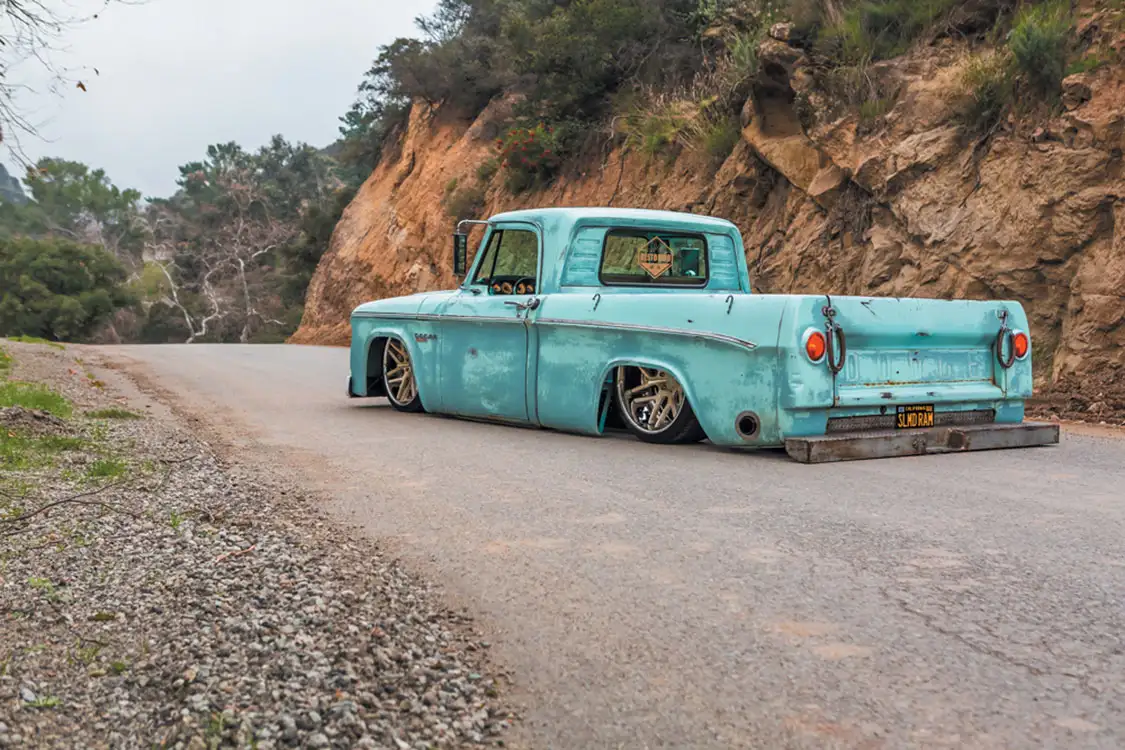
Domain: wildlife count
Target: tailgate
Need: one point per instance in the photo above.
(922, 351)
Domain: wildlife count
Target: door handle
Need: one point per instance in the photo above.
(531, 304)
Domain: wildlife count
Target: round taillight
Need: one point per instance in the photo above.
(815, 345)
(1020, 344)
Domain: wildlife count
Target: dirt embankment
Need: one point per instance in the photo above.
(907, 205)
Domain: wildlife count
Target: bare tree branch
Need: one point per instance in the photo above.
(30, 35)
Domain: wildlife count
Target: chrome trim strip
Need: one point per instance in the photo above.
(721, 337)
(433, 316)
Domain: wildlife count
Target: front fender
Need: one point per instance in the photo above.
(366, 354)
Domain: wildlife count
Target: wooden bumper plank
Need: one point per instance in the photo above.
(857, 446)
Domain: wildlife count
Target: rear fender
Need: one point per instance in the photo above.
(609, 375)
(652, 364)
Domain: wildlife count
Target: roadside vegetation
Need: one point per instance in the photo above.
(670, 75)
(226, 258)
(229, 256)
(123, 538)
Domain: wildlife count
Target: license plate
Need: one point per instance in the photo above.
(915, 416)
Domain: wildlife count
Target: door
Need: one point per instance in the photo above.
(484, 329)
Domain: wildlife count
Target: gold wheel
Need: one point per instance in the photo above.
(398, 376)
(652, 405)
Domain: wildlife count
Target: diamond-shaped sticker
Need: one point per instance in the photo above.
(655, 258)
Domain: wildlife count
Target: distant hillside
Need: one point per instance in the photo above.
(11, 191)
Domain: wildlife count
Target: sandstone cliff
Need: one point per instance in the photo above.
(908, 205)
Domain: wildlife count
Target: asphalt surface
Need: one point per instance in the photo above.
(694, 597)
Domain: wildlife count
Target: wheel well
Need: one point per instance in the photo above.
(614, 419)
(375, 366)
(607, 404)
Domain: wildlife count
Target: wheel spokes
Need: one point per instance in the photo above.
(399, 373)
(655, 402)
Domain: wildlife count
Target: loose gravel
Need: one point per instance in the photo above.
(152, 596)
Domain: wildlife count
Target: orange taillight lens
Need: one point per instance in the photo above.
(815, 346)
(1020, 344)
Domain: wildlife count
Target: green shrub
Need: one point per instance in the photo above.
(742, 49)
(1039, 42)
(34, 396)
(529, 156)
(1087, 64)
(465, 203)
(988, 85)
(5, 363)
(854, 85)
(872, 109)
(488, 169)
(713, 130)
(55, 289)
(658, 123)
(881, 29)
(719, 136)
(807, 16)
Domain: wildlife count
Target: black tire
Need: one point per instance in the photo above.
(684, 429)
(413, 405)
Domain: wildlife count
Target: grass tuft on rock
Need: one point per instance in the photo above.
(112, 414)
(19, 451)
(106, 468)
(34, 396)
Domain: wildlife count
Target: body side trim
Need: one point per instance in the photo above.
(722, 337)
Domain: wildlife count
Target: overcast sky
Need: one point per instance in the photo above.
(177, 75)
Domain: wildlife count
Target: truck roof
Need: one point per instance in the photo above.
(572, 215)
(558, 226)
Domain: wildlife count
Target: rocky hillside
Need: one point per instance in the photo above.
(910, 201)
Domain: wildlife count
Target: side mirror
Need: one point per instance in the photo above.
(460, 254)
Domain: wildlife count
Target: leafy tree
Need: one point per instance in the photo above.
(82, 204)
(57, 289)
(302, 256)
(563, 58)
(230, 243)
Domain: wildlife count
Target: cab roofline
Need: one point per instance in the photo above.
(607, 214)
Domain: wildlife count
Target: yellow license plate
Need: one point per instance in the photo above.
(915, 416)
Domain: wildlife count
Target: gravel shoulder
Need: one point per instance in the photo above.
(153, 594)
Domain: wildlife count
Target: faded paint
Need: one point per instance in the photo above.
(479, 355)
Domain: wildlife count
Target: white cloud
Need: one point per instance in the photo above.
(177, 75)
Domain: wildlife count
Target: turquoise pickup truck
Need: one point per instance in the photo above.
(585, 320)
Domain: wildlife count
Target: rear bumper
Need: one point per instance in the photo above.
(854, 446)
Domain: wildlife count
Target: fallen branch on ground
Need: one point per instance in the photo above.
(79, 499)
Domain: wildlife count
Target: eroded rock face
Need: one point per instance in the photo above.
(908, 206)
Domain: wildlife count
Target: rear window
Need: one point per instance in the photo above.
(638, 257)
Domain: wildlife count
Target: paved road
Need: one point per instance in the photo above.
(694, 598)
